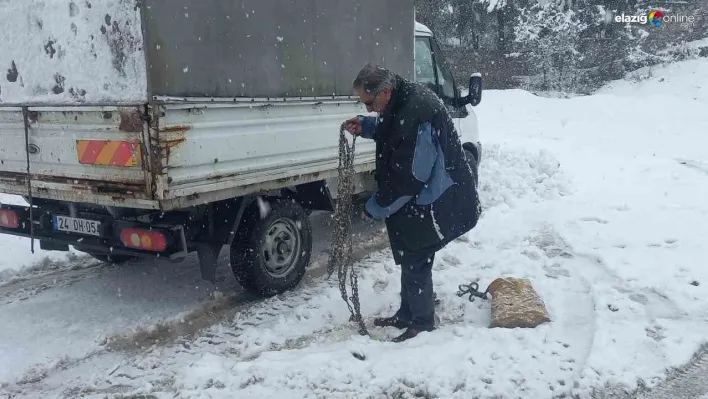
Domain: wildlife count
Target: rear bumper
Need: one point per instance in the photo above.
(74, 190)
(108, 242)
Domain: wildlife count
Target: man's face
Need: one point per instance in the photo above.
(375, 102)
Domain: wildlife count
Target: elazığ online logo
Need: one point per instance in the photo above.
(656, 17)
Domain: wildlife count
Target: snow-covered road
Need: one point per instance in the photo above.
(600, 201)
(66, 307)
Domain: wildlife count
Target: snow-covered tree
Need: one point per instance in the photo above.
(509, 41)
(549, 37)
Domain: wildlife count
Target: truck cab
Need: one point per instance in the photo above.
(432, 70)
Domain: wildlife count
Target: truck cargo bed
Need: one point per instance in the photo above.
(216, 151)
(89, 154)
(172, 155)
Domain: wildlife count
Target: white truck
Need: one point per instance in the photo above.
(154, 128)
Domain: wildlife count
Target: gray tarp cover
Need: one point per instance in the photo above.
(272, 48)
(64, 52)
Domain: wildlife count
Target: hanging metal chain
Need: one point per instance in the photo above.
(341, 249)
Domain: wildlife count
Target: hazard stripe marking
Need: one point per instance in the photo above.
(107, 152)
(124, 155)
(93, 150)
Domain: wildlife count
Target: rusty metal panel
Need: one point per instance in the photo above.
(257, 48)
(217, 150)
(74, 190)
(55, 137)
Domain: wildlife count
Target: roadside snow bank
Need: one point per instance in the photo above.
(637, 155)
(18, 260)
(686, 79)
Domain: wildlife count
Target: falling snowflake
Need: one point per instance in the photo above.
(263, 207)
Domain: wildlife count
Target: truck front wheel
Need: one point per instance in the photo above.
(472, 161)
(270, 252)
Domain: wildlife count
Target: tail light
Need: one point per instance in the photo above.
(147, 240)
(9, 219)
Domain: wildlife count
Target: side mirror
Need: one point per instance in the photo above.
(475, 95)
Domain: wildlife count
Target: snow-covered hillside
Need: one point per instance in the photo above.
(598, 200)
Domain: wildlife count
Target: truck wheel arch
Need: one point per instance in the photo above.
(471, 152)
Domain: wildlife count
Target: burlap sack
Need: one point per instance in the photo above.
(516, 304)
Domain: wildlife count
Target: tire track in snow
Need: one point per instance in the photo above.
(681, 383)
(234, 341)
(178, 328)
(642, 296)
(586, 318)
(242, 309)
(695, 165)
(686, 382)
(579, 319)
(191, 333)
(47, 275)
(585, 267)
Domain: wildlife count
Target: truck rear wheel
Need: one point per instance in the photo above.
(270, 254)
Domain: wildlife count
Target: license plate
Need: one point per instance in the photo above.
(74, 225)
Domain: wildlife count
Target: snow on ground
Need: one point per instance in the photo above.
(685, 80)
(17, 257)
(694, 46)
(599, 201)
(62, 312)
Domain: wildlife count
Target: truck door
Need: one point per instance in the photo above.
(431, 70)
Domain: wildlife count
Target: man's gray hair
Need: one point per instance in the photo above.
(373, 79)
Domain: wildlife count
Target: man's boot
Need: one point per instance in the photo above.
(393, 321)
(409, 333)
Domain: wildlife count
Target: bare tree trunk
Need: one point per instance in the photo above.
(501, 33)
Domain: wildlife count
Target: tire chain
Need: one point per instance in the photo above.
(341, 246)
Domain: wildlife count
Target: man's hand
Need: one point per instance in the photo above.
(353, 126)
(365, 217)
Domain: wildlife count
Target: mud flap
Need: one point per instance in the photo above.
(52, 246)
(315, 196)
(208, 259)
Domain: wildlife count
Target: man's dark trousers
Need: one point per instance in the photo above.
(417, 302)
